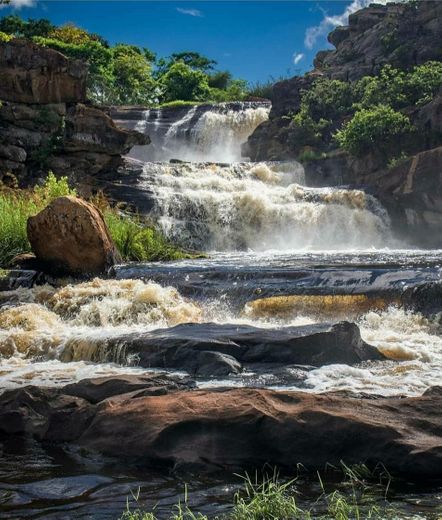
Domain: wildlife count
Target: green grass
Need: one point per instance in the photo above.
(135, 239)
(179, 103)
(268, 498)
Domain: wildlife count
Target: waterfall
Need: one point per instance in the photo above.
(260, 206)
(212, 133)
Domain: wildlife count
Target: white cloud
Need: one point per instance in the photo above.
(297, 57)
(328, 23)
(190, 12)
(18, 4)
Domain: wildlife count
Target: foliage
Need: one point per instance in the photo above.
(133, 82)
(327, 99)
(5, 37)
(134, 239)
(396, 161)
(127, 74)
(184, 83)
(16, 26)
(308, 155)
(373, 129)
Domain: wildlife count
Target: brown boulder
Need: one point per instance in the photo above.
(234, 428)
(89, 129)
(33, 74)
(70, 235)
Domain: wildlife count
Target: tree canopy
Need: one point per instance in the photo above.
(128, 74)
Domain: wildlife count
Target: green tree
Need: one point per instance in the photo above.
(379, 128)
(181, 82)
(133, 80)
(16, 26)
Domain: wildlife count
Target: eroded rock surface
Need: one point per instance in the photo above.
(237, 428)
(70, 235)
(210, 349)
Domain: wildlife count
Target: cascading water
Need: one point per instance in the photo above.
(212, 133)
(260, 206)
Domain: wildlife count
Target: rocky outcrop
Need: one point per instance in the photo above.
(70, 236)
(212, 350)
(231, 429)
(45, 123)
(399, 34)
(33, 74)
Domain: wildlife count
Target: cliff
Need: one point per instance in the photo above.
(45, 121)
(400, 35)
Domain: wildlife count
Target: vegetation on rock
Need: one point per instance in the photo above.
(127, 74)
(135, 239)
(368, 115)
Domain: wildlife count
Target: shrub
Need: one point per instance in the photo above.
(5, 37)
(184, 83)
(373, 129)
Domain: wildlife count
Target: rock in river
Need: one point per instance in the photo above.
(235, 428)
(70, 235)
(210, 349)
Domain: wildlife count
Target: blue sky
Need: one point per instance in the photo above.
(255, 40)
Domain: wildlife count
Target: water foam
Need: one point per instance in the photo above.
(261, 207)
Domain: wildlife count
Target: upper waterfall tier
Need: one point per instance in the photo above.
(198, 133)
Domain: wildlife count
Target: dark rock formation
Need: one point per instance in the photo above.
(239, 428)
(44, 124)
(210, 349)
(70, 236)
(398, 34)
(33, 74)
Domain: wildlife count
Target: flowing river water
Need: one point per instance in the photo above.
(278, 254)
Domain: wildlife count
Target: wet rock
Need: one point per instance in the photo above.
(33, 74)
(70, 235)
(98, 389)
(425, 298)
(209, 349)
(238, 428)
(89, 129)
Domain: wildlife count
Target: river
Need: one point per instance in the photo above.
(279, 254)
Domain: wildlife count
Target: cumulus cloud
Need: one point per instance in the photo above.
(328, 23)
(297, 57)
(190, 12)
(17, 4)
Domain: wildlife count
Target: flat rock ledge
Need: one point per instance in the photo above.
(161, 420)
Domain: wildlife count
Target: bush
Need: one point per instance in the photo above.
(184, 83)
(134, 239)
(5, 37)
(373, 129)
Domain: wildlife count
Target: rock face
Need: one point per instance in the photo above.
(70, 235)
(44, 123)
(400, 34)
(209, 349)
(230, 429)
(33, 74)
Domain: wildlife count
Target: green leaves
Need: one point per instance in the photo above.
(376, 128)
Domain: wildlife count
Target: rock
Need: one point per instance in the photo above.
(425, 298)
(33, 74)
(13, 153)
(70, 235)
(209, 349)
(237, 428)
(89, 129)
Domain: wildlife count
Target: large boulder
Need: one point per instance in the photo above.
(70, 235)
(89, 129)
(230, 429)
(33, 74)
(214, 350)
